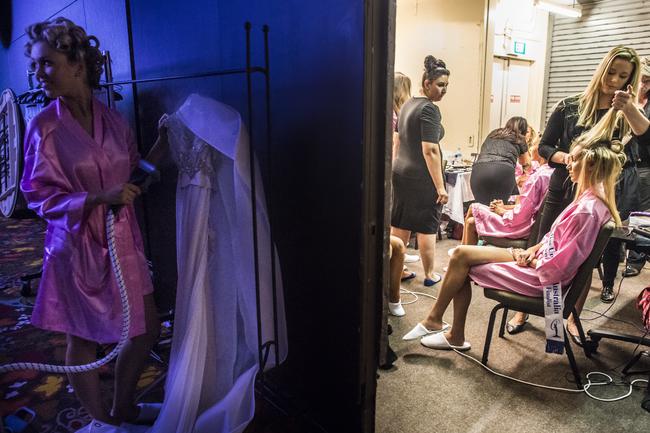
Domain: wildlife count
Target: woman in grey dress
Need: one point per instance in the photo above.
(418, 182)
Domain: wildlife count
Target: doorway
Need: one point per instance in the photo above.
(510, 87)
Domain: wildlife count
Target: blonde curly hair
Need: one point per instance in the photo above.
(602, 161)
(66, 37)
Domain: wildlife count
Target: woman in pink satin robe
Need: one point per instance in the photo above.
(572, 238)
(508, 221)
(78, 159)
(513, 223)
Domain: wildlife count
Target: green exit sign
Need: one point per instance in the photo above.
(519, 47)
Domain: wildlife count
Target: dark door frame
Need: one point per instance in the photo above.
(379, 60)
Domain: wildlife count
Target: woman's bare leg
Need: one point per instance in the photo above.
(427, 246)
(456, 335)
(471, 237)
(469, 215)
(86, 385)
(130, 364)
(456, 287)
(580, 303)
(403, 234)
(396, 265)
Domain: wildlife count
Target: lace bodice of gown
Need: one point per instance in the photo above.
(190, 153)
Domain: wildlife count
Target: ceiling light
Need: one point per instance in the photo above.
(571, 12)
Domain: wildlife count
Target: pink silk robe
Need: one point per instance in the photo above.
(78, 293)
(515, 223)
(574, 234)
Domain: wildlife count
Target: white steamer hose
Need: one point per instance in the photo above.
(126, 319)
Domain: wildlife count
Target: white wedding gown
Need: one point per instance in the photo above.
(214, 354)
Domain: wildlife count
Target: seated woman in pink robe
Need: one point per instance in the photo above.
(515, 222)
(572, 238)
(521, 174)
(78, 158)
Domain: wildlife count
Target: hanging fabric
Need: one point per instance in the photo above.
(214, 355)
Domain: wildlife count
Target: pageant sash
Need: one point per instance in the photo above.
(553, 307)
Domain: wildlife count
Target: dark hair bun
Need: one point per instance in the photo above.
(431, 63)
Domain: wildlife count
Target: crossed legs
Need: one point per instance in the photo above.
(456, 287)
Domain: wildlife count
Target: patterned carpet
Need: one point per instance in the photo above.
(48, 395)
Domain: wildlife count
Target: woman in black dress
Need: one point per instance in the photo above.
(493, 173)
(418, 182)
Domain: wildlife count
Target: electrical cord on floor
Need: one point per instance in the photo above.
(633, 352)
(609, 307)
(585, 388)
(416, 296)
(126, 318)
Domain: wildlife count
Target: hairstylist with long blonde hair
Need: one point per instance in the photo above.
(612, 83)
(611, 86)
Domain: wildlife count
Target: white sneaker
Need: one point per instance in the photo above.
(396, 309)
(100, 427)
(411, 258)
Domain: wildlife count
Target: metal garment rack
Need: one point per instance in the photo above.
(264, 348)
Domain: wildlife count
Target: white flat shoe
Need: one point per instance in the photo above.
(420, 331)
(411, 258)
(439, 342)
(396, 309)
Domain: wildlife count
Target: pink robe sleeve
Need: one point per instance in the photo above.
(572, 247)
(46, 186)
(529, 203)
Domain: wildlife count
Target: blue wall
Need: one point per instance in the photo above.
(316, 158)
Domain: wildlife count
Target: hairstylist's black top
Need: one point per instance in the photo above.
(419, 120)
(502, 151)
(561, 129)
(644, 150)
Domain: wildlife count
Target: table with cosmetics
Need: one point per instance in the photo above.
(457, 181)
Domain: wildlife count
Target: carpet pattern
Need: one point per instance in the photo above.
(49, 396)
(21, 243)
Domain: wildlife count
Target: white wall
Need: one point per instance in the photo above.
(453, 31)
(519, 20)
